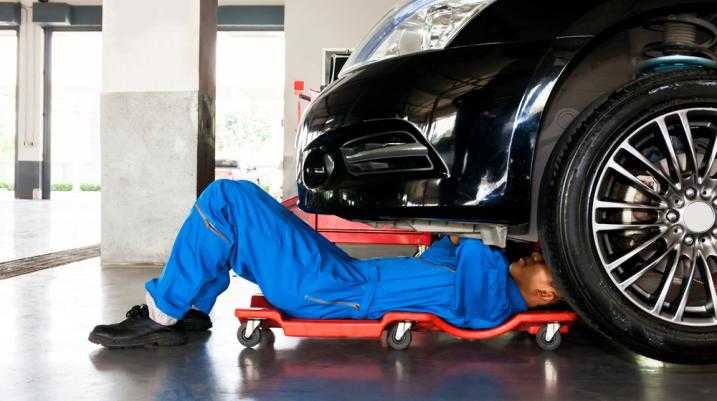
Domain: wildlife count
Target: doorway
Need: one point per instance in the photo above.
(75, 86)
(8, 111)
(250, 108)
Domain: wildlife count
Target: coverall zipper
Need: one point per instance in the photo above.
(442, 266)
(446, 267)
(324, 302)
(209, 224)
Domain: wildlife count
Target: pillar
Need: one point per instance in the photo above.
(29, 164)
(157, 122)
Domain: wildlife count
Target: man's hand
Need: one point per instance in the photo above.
(534, 258)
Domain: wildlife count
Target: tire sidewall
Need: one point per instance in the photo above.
(582, 274)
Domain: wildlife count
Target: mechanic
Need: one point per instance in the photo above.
(235, 225)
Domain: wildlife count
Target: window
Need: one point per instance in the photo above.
(8, 78)
(250, 107)
(76, 73)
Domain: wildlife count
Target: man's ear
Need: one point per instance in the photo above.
(547, 296)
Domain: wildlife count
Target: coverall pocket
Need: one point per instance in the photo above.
(208, 223)
(335, 300)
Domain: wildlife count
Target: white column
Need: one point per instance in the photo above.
(28, 169)
(157, 122)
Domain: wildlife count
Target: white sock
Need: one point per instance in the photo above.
(156, 314)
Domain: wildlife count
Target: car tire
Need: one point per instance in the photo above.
(569, 228)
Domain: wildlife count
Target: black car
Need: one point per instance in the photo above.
(590, 126)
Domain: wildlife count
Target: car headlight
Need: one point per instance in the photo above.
(413, 26)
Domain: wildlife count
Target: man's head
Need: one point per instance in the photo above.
(534, 280)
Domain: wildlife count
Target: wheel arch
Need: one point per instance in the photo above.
(605, 55)
(501, 23)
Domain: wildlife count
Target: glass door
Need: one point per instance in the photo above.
(76, 79)
(8, 112)
(250, 108)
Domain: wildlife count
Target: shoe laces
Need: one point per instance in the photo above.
(138, 311)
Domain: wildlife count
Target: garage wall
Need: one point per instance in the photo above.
(313, 25)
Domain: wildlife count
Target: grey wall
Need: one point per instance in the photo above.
(149, 159)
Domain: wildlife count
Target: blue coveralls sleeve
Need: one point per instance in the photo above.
(485, 296)
(440, 250)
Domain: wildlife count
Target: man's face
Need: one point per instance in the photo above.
(535, 280)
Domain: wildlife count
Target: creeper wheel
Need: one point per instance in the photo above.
(547, 342)
(250, 341)
(402, 329)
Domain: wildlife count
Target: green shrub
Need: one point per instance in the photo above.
(4, 185)
(90, 187)
(61, 187)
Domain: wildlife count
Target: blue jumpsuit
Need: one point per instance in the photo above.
(236, 225)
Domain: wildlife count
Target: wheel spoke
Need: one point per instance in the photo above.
(685, 291)
(632, 279)
(690, 142)
(651, 166)
(635, 181)
(619, 261)
(709, 283)
(671, 155)
(632, 206)
(710, 160)
(666, 285)
(626, 227)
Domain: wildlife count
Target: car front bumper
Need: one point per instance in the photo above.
(439, 135)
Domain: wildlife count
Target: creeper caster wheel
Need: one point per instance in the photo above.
(267, 336)
(251, 334)
(549, 337)
(399, 336)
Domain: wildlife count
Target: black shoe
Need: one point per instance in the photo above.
(195, 320)
(138, 330)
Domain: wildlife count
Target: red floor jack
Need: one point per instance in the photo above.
(257, 321)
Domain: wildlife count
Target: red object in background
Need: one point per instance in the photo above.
(298, 87)
(530, 322)
(341, 231)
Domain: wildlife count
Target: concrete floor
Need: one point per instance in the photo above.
(37, 227)
(45, 356)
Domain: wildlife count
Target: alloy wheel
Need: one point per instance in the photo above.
(654, 219)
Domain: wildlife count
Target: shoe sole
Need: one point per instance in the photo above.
(148, 341)
(195, 326)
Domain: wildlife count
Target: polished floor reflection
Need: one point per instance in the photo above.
(37, 227)
(45, 356)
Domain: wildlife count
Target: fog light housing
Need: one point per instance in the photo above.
(318, 168)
